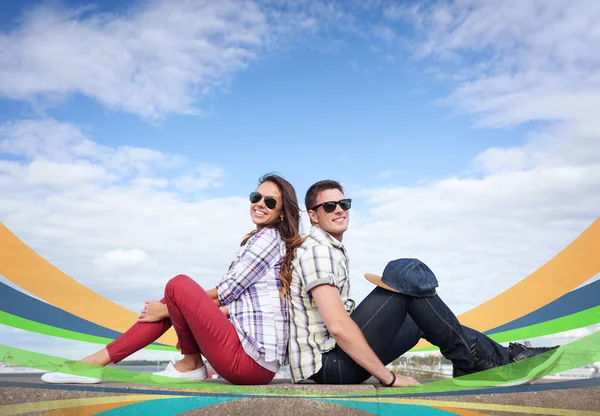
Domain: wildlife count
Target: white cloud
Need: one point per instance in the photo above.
(111, 214)
(515, 61)
(204, 177)
(151, 59)
(515, 207)
(124, 260)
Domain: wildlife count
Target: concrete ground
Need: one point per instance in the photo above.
(27, 388)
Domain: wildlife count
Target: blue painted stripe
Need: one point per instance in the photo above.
(17, 303)
(585, 297)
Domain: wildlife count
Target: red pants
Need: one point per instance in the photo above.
(201, 329)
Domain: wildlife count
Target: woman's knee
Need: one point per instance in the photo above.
(175, 282)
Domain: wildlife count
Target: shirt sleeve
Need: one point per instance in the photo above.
(260, 254)
(318, 267)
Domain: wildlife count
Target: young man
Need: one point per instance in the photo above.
(331, 343)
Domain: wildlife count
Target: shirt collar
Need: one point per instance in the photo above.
(323, 236)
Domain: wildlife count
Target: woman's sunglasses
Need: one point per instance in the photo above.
(329, 206)
(270, 202)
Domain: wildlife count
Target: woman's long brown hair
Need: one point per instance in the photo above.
(289, 228)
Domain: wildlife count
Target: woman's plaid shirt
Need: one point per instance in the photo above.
(250, 290)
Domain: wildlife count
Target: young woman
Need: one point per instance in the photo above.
(241, 326)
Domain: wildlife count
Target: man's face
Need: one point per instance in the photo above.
(336, 222)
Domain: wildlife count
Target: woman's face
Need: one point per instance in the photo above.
(260, 213)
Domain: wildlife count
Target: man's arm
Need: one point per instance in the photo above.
(349, 336)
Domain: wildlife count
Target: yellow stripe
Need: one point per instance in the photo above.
(484, 406)
(17, 409)
(27, 269)
(91, 409)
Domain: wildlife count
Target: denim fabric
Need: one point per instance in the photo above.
(393, 323)
(410, 334)
(410, 276)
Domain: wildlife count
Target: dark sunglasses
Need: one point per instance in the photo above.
(270, 202)
(329, 206)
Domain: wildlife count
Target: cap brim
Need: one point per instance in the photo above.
(376, 280)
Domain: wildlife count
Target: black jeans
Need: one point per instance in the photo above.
(394, 323)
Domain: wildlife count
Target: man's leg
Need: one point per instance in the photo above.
(380, 317)
(409, 335)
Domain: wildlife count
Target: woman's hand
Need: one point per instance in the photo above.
(224, 310)
(214, 295)
(154, 311)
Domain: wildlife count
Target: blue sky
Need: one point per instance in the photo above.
(306, 112)
(132, 132)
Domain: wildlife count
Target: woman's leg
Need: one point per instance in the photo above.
(201, 326)
(140, 335)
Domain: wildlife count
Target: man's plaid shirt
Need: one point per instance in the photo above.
(321, 260)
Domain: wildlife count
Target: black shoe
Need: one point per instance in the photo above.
(552, 355)
(518, 352)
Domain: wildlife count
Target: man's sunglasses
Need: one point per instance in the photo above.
(270, 202)
(329, 206)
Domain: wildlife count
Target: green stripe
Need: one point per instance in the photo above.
(576, 354)
(32, 326)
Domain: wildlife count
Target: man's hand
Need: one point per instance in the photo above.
(401, 381)
(405, 381)
(224, 310)
(154, 311)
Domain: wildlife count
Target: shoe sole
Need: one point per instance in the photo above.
(73, 381)
(482, 383)
(542, 370)
(173, 380)
(533, 375)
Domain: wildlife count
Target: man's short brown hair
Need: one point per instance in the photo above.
(310, 200)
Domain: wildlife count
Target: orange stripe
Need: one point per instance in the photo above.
(27, 269)
(461, 412)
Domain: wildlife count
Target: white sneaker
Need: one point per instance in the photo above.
(196, 375)
(62, 378)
